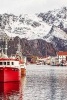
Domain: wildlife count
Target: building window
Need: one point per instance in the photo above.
(12, 63)
(4, 63)
(8, 63)
(1, 63)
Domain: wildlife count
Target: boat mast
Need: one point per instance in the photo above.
(19, 48)
(6, 46)
(2, 51)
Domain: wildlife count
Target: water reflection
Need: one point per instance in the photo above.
(22, 89)
(40, 83)
(58, 87)
(12, 90)
(46, 84)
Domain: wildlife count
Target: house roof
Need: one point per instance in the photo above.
(60, 53)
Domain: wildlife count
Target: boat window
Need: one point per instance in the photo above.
(1, 63)
(12, 63)
(4, 63)
(8, 63)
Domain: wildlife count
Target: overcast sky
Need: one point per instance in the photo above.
(30, 6)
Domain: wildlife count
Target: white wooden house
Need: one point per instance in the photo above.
(62, 56)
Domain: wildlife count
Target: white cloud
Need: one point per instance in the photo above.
(29, 6)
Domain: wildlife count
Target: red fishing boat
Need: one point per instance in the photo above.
(10, 67)
(9, 70)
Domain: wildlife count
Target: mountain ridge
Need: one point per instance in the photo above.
(50, 27)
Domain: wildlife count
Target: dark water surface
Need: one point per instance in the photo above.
(40, 83)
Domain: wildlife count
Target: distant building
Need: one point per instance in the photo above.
(43, 60)
(54, 61)
(62, 56)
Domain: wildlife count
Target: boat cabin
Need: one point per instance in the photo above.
(6, 62)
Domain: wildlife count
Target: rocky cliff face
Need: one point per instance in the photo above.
(35, 47)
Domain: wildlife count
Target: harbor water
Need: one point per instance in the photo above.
(42, 82)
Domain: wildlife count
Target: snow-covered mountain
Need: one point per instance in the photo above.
(50, 26)
(24, 26)
(57, 17)
(58, 32)
(35, 26)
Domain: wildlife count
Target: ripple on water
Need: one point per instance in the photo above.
(46, 84)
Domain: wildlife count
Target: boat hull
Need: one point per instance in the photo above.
(9, 87)
(8, 74)
(23, 71)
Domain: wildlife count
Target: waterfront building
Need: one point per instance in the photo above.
(62, 56)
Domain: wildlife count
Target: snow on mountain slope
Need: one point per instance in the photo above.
(57, 17)
(56, 32)
(27, 26)
(59, 34)
(44, 26)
